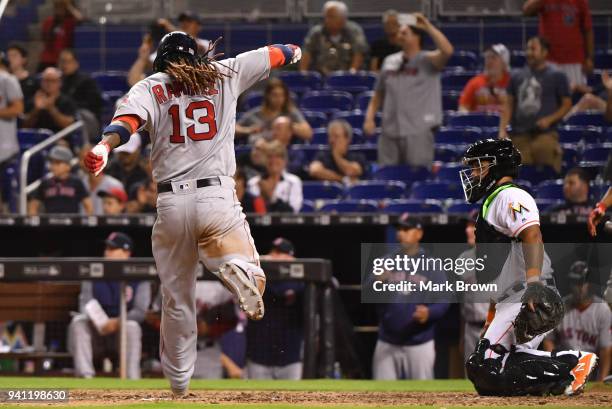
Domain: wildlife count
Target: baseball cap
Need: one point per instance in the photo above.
(406, 221)
(132, 145)
(502, 51)
(578, 272)
(116, 192)
(61, 154)
(189, 15)
(118, 240)
(283, 245)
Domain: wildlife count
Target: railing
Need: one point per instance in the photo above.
(368, 8)
(24, 188)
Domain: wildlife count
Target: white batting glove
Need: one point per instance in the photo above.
(297, 53)
(97, 158)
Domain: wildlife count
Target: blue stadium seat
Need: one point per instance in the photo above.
(328, 102)
(575, 134)
(350, 206)
(458, 136)
(307, 207)
(242, 149)
(362, 100)
(603, 59)
(546, 205)
(518, 59)
(10, 185)
(356, 118)
(455, 81)
(404, 173)
(570, 156)
(461, 207)
(587, 119)
(309, 151)
(536, 174)
(369, 150)
(450, 100)
(29, 137)
(436, 190)
(466, 59)
(351, 82)
(476, 119)
(319, 136)
(446, 153)
(315, 119)
(597, 191)
(596, 153)
(252, 100)
(450, 173)
(550, 189)
(301, 82)
(413, 206)
(314, 190)
(111, 80)
(377, 190)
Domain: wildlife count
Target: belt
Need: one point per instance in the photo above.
(167, 186)
(518, 287)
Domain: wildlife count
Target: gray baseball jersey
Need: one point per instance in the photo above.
(10, 91)
(192, 136)
(587, 330)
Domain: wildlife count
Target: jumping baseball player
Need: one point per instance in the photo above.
(189, 108)
(506, 360)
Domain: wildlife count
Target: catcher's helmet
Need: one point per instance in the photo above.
(494, 159)
(173, 45)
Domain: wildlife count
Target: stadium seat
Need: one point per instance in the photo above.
(362, 100)
(413, 206)
(301, 82)
(313, 190)
(449, 173)
(536, 174)
(468, 60)
(369, 150)
(455, 81)
(315, 119)
(546, 205)
(446, 153)
(252, 100)
(319, 136)
(404, 173)
(350, 206)
(517, 59)
(587, 119)
(307, 207)
(575, 134)
(377, 190)
(308, 151)
(328, 102)
(28, 137)
(111, 80)
(461, 207)
(550, 189)
(351, 82)
(603, 59)
(476, 119)
(10, 185)
(458, 136)
(356, 118)
(242, 149)
(450, 100)
(596, 153)
(436, 190)
(110, 99)
(570, 156)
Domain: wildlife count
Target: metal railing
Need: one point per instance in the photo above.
(24, 188)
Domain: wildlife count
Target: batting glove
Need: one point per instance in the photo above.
(595, 217)
(97, 158)
(297, 53)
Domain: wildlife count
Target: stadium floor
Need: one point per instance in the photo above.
(230, 394)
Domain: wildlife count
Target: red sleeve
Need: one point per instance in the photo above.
(277, 58)
(585, 13)
(46, 27)
(467, 95)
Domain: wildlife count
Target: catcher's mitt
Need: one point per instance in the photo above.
(548, 312)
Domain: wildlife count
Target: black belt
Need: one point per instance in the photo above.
(550, 282)
(167, 186)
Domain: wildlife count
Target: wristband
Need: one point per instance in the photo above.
(601, 207)
(124, 134)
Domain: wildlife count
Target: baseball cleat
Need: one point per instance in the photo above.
(244, 288)
(180, 393)
(581, 372)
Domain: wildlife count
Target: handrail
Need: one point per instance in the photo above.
(24, 188)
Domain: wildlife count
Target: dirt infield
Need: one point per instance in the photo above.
(593, 398)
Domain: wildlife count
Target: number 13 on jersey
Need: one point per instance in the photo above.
(206, 111)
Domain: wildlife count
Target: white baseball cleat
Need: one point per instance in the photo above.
(244, 287)
(581, 372)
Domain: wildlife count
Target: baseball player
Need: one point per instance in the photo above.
(506, 360)
(189, 108)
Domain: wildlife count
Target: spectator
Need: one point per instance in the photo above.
(96, 184)
(62, 192)
(58, 32)
(567, 26)
(83, 90)
(274, 344)
(409, 85)
(143, 62)
(538, 98)
(338, 164)
(599, 103)
(337, 44)
(51, 109)
(113, 201)
(18, 62)
(586, 323)
(190, 23)
(576, 194)
(85, 337)
(126, 166)
(11, 107)
(282, 131)
(487, 91)
(387, 45)
(143, 197)
(250, 203)
(277, 101)
(405, 348)
(253, 163)
(281, 191)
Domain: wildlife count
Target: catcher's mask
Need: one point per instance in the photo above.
(172, 46)
(487, 162)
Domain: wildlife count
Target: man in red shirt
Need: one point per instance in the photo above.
(58, 32)
(567, 25)
(486, 92)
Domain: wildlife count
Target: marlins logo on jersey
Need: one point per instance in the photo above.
(517, 211)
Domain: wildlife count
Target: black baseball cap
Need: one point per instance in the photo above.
(406, 221)
(283, 245)
(118, 240)
(189, 15)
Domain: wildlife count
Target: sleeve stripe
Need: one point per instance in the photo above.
(277, 57)
(133, 121)
(524, 226)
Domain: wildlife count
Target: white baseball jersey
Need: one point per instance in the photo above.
(587, 330)
(511, 212)
(193, 135)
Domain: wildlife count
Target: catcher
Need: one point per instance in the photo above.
(506, 360)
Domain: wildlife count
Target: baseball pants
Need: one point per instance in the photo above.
(84, 340)
(540, 149)
(292, 372)
(205, 224)
(392, 362)
(413, 150)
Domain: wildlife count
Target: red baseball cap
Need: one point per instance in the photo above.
(116, 192)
